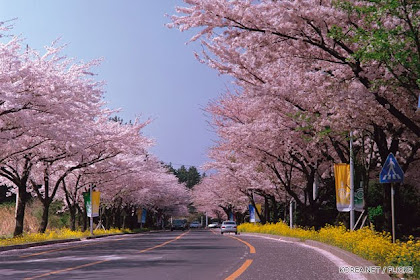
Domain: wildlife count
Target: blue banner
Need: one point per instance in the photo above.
(231, 218)
(143, 216)
(251, 214)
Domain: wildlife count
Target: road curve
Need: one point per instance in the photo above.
(196, 254)
(162, 255)
(276, 259)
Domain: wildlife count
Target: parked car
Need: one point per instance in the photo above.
(214, 225)
(228, 226)
(179, 224)
(195, 224)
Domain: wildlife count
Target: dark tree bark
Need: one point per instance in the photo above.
(20, 210)
(45, 214)
(20, 180)
(72, 211)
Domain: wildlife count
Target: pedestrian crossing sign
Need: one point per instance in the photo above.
(391, 171)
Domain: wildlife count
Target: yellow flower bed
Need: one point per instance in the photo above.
(54, 235)
(374, 246)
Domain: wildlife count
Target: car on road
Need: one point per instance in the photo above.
(214, 225)
(179, 224)
(195, 224)
(228, 226)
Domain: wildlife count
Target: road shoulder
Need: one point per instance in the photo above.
(348, 258)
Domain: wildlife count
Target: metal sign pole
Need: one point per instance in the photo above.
(391, 173)
(291, 214)
(91, 211)
(393, 212)
(351, 183)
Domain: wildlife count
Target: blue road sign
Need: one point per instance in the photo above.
(391, 171)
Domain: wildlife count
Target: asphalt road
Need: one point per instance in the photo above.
(195, 254)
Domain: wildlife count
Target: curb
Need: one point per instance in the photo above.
(49, 242)
(350, 258)
(36, 244)
(103, 235)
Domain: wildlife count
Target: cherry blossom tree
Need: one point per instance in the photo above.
(37, 91)
(257, 33)
(57, 138)
(297, 40)
(304, 80)
(216, 192)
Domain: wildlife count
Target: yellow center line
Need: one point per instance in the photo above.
(240, 270)
(164, 243)
(98, 262)
(251, 248)
(67, 248)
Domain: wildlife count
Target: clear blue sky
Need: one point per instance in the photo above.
(149, 70)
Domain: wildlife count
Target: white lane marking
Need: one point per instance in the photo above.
(334, 259)
(272, 238)
(66, 259)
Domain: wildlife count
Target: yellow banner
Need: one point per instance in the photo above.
(259, 209)
(95, 203)
(342, 186)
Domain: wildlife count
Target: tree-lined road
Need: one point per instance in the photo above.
(196, 254)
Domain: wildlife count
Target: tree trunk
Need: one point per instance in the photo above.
(276, 215)
(84, 219)
(44, 220)
(20, 210)
(107, 218)
(266, 210)
(72, 210)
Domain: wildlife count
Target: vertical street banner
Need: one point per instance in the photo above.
(92, 209)
(143, 216)
(139, 215)
(342, 186)
(359, 202)
(231, 218)
(251, 214)
(259, 209)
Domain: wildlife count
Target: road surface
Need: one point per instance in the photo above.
(194, 254)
